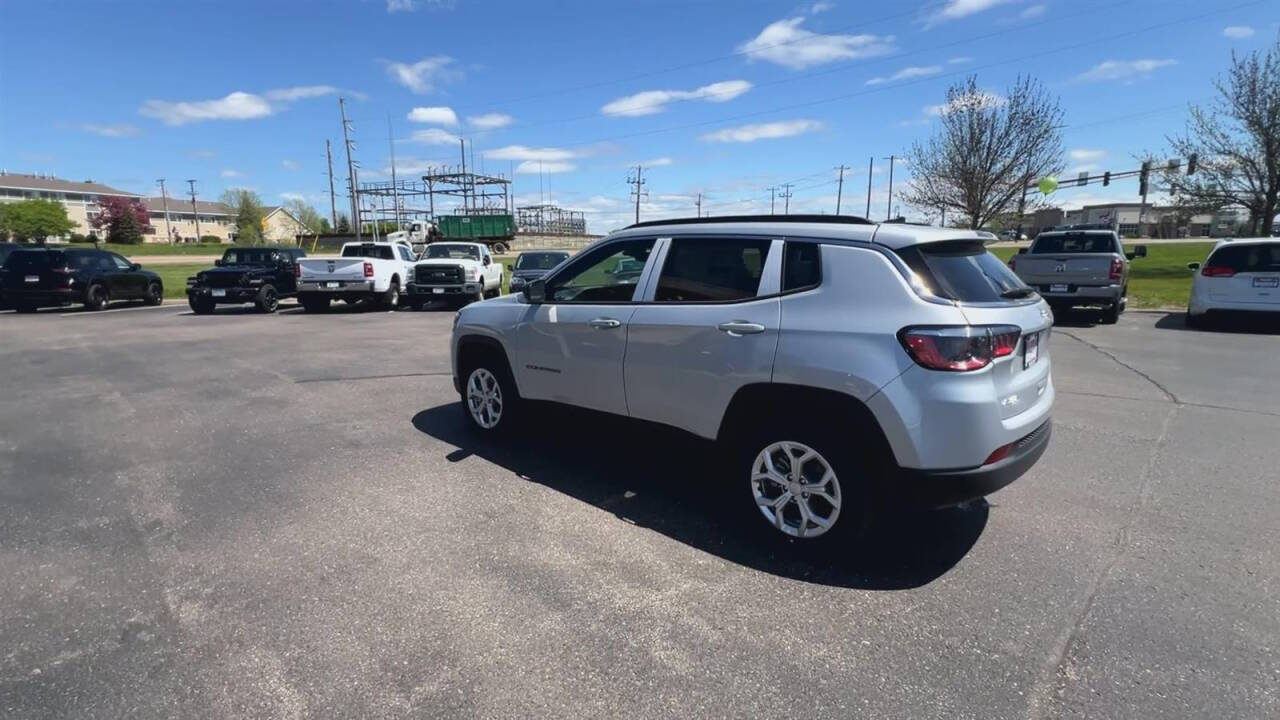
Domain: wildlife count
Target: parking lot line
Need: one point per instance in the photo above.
(131, 308)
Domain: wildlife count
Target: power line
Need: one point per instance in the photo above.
(786, 197)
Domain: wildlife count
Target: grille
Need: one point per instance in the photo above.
(437, 274)
(224, 280)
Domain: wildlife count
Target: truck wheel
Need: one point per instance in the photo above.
(499, 248)
(489, 397)
(201, 306)
(390, 299)
(95, 298)
(1111, 315)
(313, 304)
(268, 299)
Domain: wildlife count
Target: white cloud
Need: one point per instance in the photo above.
(979, 100)
(821, 7)
(764, 131)
(424, 75)
(1237, 32)
(1085, 155)
(533, 167)
(957, 9)
(490, 121)
(433, 136)
(650, 102)
(520, 152)
(230, 173)
(118, 130)
(1122, 69)
(287, 196)
(959, 60)
(394, 6)
(435, 115)
(906, 73)
(1032, 11)
(786, 43)
(288, 165)
(658, 162)
(234, 106)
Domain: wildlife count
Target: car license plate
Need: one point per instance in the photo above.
(332, 284)
(438, 291)
(32, 278)
(219, 293)
(1058, 288)
(1266, 282)
(1030, 350)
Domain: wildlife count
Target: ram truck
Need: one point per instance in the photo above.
(1077, 268)
(374, 272)
(459, 272)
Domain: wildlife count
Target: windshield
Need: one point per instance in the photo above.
(961, 270)
(380, 252)
(1074, 243)
(540, 261)
(250, 256)
(456, 252)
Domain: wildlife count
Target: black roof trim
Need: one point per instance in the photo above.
(835, 219)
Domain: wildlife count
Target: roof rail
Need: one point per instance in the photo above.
(841, 219)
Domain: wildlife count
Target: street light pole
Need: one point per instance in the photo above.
(888, 213)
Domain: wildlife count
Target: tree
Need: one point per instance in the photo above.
(249, 212)
(344, 225)
(122, 219)
(34, 220)
(987, 151)
(325, 227)
(1236, 142)
(306, 215)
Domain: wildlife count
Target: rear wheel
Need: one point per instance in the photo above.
(1111, 315)
(489, 397)
(268, 300)
(390, 300)
(96, 298)
(313, 304)
(499, 248)
(155, 294)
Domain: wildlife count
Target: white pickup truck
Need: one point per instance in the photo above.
(455, 271)
(374, 271)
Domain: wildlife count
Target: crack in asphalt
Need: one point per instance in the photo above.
(1167, 392)
(1180, 403)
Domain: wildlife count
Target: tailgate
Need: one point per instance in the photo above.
(1249, 287)
(1075, 269)
(347, 269)
(1020, 379)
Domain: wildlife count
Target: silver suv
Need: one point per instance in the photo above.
(837, 359)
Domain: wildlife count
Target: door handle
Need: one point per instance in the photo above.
(740, 327)
(605, 323)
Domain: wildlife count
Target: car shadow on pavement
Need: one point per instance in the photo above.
(1232, 324)
(1077, 318)
(672, 483)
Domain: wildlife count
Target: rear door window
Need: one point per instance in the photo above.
(712, 270)
(801, 266)
(1248, 258)
(961, 270)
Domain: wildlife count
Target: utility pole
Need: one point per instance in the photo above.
(638, 182)
(786, 197)
(165, 198)
(840, 187)
(194, 210)
(698, 203)
(462, 147)
(395, 187)
(871, 164)
(888, 213)
(351, 167)
(772, 193)
(333, 208)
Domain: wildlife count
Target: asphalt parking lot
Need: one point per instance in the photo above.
(284, 516)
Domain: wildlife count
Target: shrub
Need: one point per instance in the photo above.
(214, 239)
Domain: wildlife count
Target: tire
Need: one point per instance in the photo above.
(313, 304)
(390, 299)
(201, 306)
(486, 378)
(499, 248)
(1111, 315)
(268, 300)
(96, 297)
(155, 294)
(841, 469)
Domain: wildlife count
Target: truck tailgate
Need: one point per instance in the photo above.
(346, 269)
(1074, 268)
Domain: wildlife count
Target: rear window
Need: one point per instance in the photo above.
(24, 260)
(1081, 243)
(539, 261)
(1248, 258)
(380, 252)
(961, 270)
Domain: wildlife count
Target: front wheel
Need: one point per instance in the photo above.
(96, 298)
(200, 305)
(489, 396)
(155, 294)
(268, 300)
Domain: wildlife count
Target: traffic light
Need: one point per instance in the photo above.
(1143, 176)
(1192, 161)
(1106, 178)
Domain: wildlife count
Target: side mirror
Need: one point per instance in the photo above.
(217, 263)
(487, 261)
(535, 292)
(1022, 251)
(1193, 266)
(135, 267)
(1140, 251)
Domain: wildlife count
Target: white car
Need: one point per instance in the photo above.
(459, 272)
(375, 271)
(835, 358)
(1238, 276)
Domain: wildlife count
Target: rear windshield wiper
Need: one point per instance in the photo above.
(1018, 292)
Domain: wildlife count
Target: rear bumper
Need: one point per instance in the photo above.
(1082, 294)
(321, 287)
(59, 296)
(1205, 306)
(940, 488)
(451, 290)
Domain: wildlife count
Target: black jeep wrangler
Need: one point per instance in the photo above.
(260, 275)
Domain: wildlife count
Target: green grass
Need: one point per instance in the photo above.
(1159, 280)
(162, 249)
(174, 277)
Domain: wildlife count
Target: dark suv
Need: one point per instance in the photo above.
(32, 278)
(260, 275)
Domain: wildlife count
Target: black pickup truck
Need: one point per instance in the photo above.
(260, 275)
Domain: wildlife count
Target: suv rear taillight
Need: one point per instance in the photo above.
(297, 270)
(959, 348)
(62, 274)
(1217, 271)
(368, 269)
(1117, 269)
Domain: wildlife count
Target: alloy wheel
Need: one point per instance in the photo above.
(484, 398)
(796, 489)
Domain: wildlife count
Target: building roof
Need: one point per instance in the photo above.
(179, 205)
(23, 181)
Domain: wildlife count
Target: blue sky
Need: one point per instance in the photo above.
(723, 98)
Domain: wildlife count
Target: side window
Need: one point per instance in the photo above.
(609, 274)
(712, 270)
(801, 266)
(103, 262)
(120, 263)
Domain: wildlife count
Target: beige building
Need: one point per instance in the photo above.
(79, 198)
(280, 226)
(214, 219)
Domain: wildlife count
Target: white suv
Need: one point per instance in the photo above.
(836, 358)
